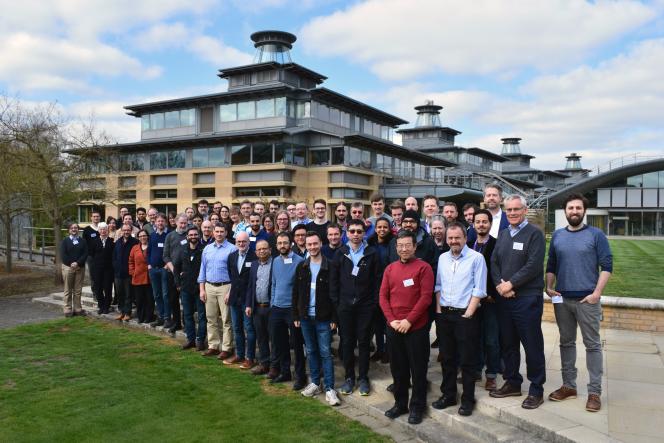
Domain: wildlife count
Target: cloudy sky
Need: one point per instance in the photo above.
(565, 75)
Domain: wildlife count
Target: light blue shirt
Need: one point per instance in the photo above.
(214, 262)
(315, 268)
(514, 231)
(240, 261)
(460, 278)
(356, 256)
(283, 278)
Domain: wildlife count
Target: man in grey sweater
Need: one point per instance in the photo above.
(517, 271)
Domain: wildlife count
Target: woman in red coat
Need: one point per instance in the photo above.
(138, 269)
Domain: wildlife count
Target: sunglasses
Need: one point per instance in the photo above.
(355, 231)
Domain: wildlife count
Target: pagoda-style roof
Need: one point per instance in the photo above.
(335, 98)
(266, 66)
(379, 144)
(428, 128)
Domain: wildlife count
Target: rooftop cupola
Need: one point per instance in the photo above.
(428, 115)
(573, 162)
(273, 46)
(511, 146)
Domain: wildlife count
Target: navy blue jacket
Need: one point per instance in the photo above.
(239, 280)
(121, 257)
(70, 252)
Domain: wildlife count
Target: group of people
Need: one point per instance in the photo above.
(257, 281)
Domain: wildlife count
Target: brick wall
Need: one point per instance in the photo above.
(620, 317)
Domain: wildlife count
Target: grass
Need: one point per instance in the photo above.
(81, 380)
(40, 280)
(637, 269)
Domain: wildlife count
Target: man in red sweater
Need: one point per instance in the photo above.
(405, 296)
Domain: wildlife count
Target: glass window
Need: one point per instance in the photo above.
(187, 117)
(241, 154)
(279, 150)
(292, 106)
(265, 108)
(262, 153)
(172, 119)
(376, 130)
(354, 157)
(323, 112)
(368, 127)
(137, 162)
(158, 160)
(298, 156)
(145, 122)
(200, 158)
(650, 180)
(246, 110)
(165, 193)
(366, 159)
(280, 106)
(338, 155)
(356, 126)
(319, 157)
(157, 121)
(204, 193)
(303, 109)
(228, 112)
(217, 156)
(335, 116)
(176, 159)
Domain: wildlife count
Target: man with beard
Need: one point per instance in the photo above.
(580, 264)
(493, 197)
(438, 234)
(426, 248)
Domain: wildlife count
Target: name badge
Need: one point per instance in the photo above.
(160, 245)
(74, 242)
(288, 261)
(518, 246)
(557, 299)
(252, 238)
(191, 258)
(93, 235)
(183, 241)
(355, 271)
(247, 265)
(313, 286)
(408, 282)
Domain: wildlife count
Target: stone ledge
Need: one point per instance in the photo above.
(626, 302)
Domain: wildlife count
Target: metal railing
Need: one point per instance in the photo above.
(625, 160)
(31, 242)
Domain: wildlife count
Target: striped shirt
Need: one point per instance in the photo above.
(214, 262)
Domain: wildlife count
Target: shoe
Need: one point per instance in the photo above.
(390, 388)
(299, 384)
(466, 409)
(188, 345)
(444, 402)
(120, 317)
(365, 387)
(211, 352)
(81, 313)
(126, 317)
(311, 390)
(247, 364)
(272, 373)
(223, 355)
(332, 398)
(562, 393)
(200, 346)
(69, 314)
(594, 403)
(434, 345)
(490, 384)
(506, 390)
(385, 359)
(260, 370)
(532, 402)
(157, 322)
(439, 359)
(377, 356)
(174, 328)
(168, 324)
(100, 311)
(415, 417)
(232, 360)
(347, 387)
(395, 411)
(281, 378)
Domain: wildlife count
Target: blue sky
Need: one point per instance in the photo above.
(565, 75)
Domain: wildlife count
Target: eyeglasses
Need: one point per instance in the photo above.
(355, 231)
(408, 221)
(514, 209)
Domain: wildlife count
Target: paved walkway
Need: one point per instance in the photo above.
(20, 309)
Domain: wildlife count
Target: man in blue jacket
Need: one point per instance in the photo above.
(73, 253)
(121, 269)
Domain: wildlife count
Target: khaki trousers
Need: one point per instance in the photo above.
(73, 279)
(216, 309)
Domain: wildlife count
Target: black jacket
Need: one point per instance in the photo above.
(427, 250)
(121, 257)
(186, 266)
(325, 310)
(70, 252)
(102, 256)
(487, 250)
(349, 290)
(90, 234)
(250, 300)
(239, 281)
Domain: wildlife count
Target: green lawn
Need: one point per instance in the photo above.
(638, 267)
(83, 380)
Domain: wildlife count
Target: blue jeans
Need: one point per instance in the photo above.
(243, 325)
(189, 302)
(159, 282)
(317, 337)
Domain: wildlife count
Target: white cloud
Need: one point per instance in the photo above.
(400, 39)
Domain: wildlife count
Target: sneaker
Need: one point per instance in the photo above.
(347, 387)
(331, 397)
(365, 387)
(311, 390)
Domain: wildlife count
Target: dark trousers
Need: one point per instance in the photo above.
(124, 290)
(261, 317)
(144, 303)
(379, 325)
(409, 355)
(520, 321)
(103, 286)
(174, 300)
(489, 340)
(458, 335)
(355, 328)
(281, 327)
(191, 302)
